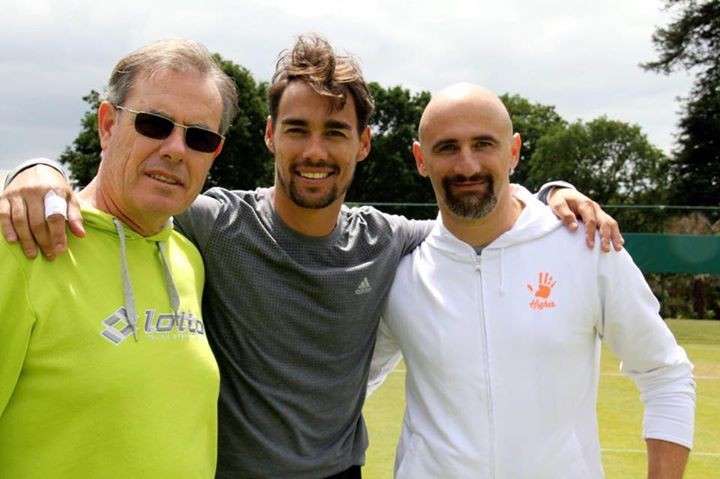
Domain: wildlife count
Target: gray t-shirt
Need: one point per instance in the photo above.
(292, 321)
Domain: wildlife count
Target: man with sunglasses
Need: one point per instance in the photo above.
(105, 368)
(296, 280)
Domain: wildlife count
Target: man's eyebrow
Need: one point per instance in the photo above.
(443, 142)
(487, 137)
(293, 122)
(453, 141)
(337, 125)
(165, 115)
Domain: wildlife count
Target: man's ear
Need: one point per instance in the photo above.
(107, 117)
(365, 140)
(419, 158)
(515, 149)
(218, 150)
(269, 135)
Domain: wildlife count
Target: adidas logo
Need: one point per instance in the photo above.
(364, 287)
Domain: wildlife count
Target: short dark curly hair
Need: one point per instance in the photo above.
(312, 60)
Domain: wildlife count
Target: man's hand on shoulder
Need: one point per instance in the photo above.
(22, 212)
(570, 205)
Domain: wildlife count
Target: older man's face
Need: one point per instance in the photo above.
(159, 178)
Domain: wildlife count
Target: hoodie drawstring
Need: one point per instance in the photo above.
(128, 295)
(127, 286)
(169, 282)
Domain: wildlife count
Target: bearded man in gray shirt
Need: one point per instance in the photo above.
(295, 279)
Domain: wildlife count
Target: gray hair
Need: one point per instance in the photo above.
(177, 55)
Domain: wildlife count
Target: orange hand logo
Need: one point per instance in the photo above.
(542, 292)
(545, 286)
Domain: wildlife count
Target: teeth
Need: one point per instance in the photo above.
(314, 176)
(164, 179)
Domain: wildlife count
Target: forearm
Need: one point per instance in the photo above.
(666, 460)
(386, 357)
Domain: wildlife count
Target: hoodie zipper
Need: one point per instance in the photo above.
(486, 369)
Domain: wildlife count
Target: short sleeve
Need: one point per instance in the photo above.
(197, 222)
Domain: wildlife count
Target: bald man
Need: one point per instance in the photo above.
(499, 316)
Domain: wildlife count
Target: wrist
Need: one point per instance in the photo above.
(35, 162)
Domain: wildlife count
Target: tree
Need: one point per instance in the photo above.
(389, 173)
(83, 157)
(692, 41)
(532, 121)
(696, 168)
(244, 162)
(611, 161)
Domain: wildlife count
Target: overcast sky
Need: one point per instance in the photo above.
(581, 56)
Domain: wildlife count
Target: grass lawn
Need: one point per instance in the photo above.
(619, 412)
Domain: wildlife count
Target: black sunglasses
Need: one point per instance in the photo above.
(158, 127)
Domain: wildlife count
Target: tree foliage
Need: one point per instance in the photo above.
(532, 121)
(692, 41)
(610, 161)
(696, 168)
(83, 157)
(389, 172)
(244, 162)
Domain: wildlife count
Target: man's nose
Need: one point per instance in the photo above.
(315, 148)
(467, 162)
(174, 146)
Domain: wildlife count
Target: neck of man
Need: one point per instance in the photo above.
(482, 231)
(97, 197)
(306, 221)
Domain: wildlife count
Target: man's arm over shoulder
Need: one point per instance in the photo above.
(16, 321)
(650, 355)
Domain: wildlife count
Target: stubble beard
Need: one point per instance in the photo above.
(294, 192)
(474, 205)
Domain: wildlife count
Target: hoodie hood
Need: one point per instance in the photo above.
(107, 223)
(535, 220)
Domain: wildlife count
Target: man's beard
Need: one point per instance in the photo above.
(293, 191)
(470, 205)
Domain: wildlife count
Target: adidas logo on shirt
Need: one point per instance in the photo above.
(364, 287)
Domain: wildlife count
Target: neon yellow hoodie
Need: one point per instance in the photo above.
(82, 395)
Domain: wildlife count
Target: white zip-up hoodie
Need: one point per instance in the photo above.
(502, 352)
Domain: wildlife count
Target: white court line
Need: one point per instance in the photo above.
(642, 451)
(623, 375)
(403, 371)
(705, 347)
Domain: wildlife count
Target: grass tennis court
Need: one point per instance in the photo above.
(619, 412)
